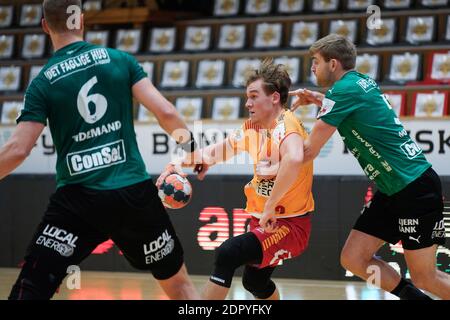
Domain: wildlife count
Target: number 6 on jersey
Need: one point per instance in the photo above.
(97, 99)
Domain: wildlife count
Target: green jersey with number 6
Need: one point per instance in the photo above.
(372, 132)
(84, 91)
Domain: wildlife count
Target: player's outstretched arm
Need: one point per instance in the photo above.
(219, 152)
(211, 155)
(168, 118)
(166, 114)
(320, 134)
(290, 163)
(19, 146)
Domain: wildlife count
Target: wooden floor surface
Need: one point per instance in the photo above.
(140, 286)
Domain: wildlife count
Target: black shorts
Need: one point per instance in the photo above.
(414, 215)
(78, 219)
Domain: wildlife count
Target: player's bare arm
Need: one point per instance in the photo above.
(290, 164)
(219, 152)
(19, 146)
(166, 114)
(211, 155)
(320, 134)
(170, 120)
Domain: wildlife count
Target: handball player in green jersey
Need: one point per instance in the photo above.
(84, 93)
(408, 205)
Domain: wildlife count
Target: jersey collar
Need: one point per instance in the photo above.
(67, 48)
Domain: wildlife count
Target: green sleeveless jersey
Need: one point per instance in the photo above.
(84, 91)
(372, 132)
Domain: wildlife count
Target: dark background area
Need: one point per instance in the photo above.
(339, 200)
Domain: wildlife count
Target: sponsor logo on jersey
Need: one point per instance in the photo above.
(327, 106)
(58, 239)
(96, 158)
(398, 122)
(367, 84)
(402, 133)
(366, 144)
(98, 131)
(78, 63)
(159, 248)
(411, 149)
(371, 172)
(264, 187)
(267, 169)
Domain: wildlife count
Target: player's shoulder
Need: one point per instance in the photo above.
(288, 119)
(40, 81)
(287, 122)
(351, 84)
(116, 53)
(288, 116)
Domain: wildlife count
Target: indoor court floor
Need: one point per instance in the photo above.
(97, 285)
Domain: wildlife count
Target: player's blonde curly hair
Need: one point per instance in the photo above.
(275, 78)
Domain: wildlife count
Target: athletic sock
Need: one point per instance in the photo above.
(405, 290)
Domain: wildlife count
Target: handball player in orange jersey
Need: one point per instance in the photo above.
(279, 196)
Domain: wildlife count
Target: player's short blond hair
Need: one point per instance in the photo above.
(275, 79)
(336, 47)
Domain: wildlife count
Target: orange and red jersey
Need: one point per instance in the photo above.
(263, 145)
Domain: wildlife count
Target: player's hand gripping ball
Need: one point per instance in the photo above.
(175, 192)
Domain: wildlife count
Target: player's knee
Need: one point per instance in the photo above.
(259, 288)
(232, 254)
(228, 255)
(37, 281)
(423, 280)
(169, 267)
(348, 260)
(352, 258)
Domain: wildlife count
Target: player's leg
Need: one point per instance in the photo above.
(421, 225)
(231, 254)
(358, 255)
(148, 240)
(258, 282)
(62, 239)
(179, 286)
(165, 263)
(422, 267)
(375, 226)
(289, 241)
(214, 291)
(262, 251)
